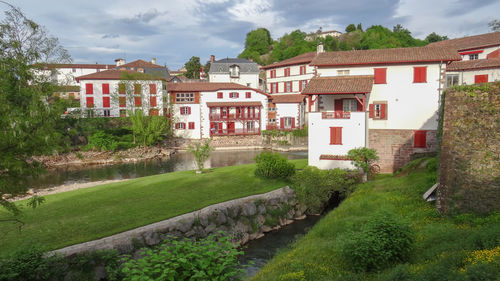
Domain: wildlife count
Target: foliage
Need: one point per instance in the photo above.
(212, 258)
(494, 25)
(273, 165)
(363, 157)
(193, 67)
(350, 28)
(258, 42)
(102, 141)
(434, 37)
(148, 130)
(300, 132)
(384, 240)
(201, 152)
(314, 187)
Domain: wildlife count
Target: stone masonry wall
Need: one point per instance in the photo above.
(395, 147)
(244, 219)
(470, 150)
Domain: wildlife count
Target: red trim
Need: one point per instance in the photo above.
(383, 62)
(471, 52)
(338, 93)
(106, 102)
(334, 157)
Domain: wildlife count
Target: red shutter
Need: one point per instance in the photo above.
(293, 123)
(380, 75)
(420, 74)
(481, 79)
(123, 102)
(338, 105)
(420, 139)
(248, 95)
(152, 101)
(138, 101)
(219, 95)
(220, 128)
(359, 106)
(335, 135)
(189, 110)
(153, 112)
(383, 111)
(371, 110)
(137, 89)
(152, 89)
(90, 102)
(89, 88)
(291, 86)
(282, 123)
(105, 89)
(300, 85)
(105, 102)
(191, 125)
(121, 89)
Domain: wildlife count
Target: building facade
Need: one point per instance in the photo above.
(475, 47)
(234, 70)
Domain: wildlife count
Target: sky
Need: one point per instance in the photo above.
(173, 31)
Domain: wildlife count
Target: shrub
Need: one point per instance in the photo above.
(211, 258)
(363, 157)
(314, 187)
(383, 241)
(201, 152)
(300, 132)
(102, 141)
(273, 165)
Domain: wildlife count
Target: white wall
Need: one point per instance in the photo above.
(295, 77)
(353, 135)
(467, 77)
(482, 55)
(249, 80)
(294, 110)
(193, 117)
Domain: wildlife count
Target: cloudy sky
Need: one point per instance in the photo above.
(173, 31)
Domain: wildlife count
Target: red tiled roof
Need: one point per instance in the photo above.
(386, 56)
(140, 64)
(242, 103)
(354, 84)
(300, 59)
(77, 65)
(470, 42)
(288, 98)
(115, 74)
(473, 64)
(207, 87)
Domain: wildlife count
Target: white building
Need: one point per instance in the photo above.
(287, 111)
(65, 74)
(202, 110)
(113, 93)
(322, 34)
(469, 72)
(383, 99)
(475, 47)
(230, 70)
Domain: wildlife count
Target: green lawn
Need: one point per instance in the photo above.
(445, 247)
(91, 213)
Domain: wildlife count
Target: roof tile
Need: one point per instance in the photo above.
(300, 59)
(354, 84)
(288, 98)
(473, 64)
(470, 42)
(115, 74)
(207, 87)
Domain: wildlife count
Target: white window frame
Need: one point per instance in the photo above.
(287, 122)
(184, 97)
(349, 105)
(343, 72)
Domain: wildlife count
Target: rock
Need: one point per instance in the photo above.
(262, 209)
(185, 224)
(31, 191)
(241, 227)
(290, 214)
(261, 220)
(100, 273)
(200, 231)
(190, 233)
(151, 238)
(301, 209)
(230, 221)
(233, 211)
(244, 239)
(249, 209)
(203, 219)
(221, 218)
(266, 228)
(210, 228)
(6, 196)
(300, 217)
(254, 236)
(287, 222)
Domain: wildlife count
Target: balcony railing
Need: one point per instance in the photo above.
(234, 132)
(217, 116)
(335, 115)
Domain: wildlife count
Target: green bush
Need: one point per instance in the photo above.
(383, 241)
(363, 158)
(300, 132)
(273, 165)
(483, 271)
(178, 259)
(102, 141)
(314, 187)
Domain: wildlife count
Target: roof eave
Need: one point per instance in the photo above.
(386, 62)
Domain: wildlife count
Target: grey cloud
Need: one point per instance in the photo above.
(108, 36)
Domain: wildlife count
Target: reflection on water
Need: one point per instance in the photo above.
(180, 161)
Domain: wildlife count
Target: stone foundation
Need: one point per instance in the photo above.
(395, 147)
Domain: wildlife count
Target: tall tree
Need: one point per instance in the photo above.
(350, 28)
(494, 25)
(434, 37)
(193, 67)
(259, 40)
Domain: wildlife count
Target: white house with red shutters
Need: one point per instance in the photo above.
(113, 93)
(383, 99)
(202, 110)
(288, 111)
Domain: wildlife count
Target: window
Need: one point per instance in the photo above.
(123, 101)
(152, 89)
(302, 84)
(349, 105)
(74, 70)
(287, 123)
(286, 72)
(272, 109)
(234, 95)
(105, 89)
(152, 101)
(234, 71)
(378, 110)
(420, 139)
(137, 89)
(121, 89)
(107, 113)
(451, 80)
(481, 79)
(250, 125)
(185, 110)
(380, 75)
(302, 69)
(180, 126)
(272, 73)
(105, 102)
(343, 72)
(138, 101)
(153, 112)
(220, 95)
(191, 125)
(89, 88)
(123, 113)
(249, 84)
(420, 74)
(336, 135)
(274, 88)
(473, 56)
(184, 97)
(288, 87)
(272, 120)
(90, 102)
(248, 95)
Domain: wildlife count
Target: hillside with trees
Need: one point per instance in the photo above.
(260, 47)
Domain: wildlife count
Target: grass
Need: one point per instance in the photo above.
(91, 213)
(446, 248)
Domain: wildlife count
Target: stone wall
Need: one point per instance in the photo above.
(395, 147)
(470, 150)
(244, 219)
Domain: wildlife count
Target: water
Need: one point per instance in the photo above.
(179, 161)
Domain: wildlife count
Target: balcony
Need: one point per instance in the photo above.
(222, 117)
(335, 115)
(235, 132)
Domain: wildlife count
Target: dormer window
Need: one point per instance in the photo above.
(234, 71)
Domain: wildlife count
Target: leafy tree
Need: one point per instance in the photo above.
(148, 130)
(350, 28)
(363, 158)
(259, 40)
(359, 27)
(27, 118)
(434, 37)
(494, 25)
(206, 68)
(201, 152)
(291, 45)
(193, 67)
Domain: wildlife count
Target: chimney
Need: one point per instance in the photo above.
(212, 58)
(120, 62)
(320, 48)
(153, 60)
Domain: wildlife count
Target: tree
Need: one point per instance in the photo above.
(434, 37)
(27, 118)
(259, 40)
(359, 27)
(363, 158)
(201, 152)
(148, 130)
(193, 67)
(350, 28)
(494, 25)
